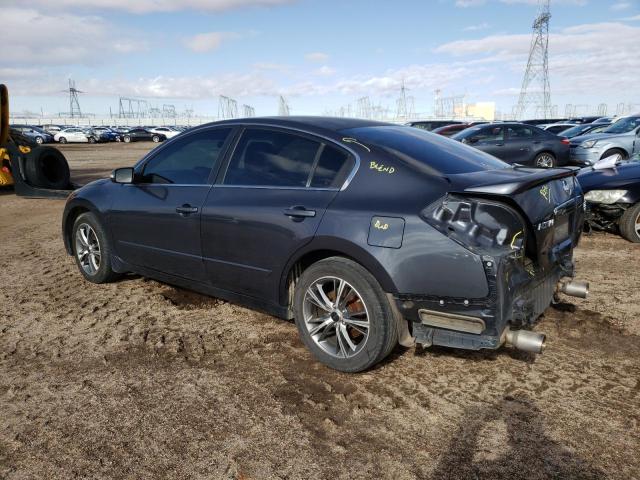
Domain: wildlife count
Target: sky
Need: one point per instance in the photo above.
(321, 55)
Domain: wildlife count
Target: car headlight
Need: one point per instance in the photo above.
(588, 144)
(604, 196)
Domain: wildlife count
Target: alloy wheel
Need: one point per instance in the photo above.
(88, 249)
(545, 160)
(336, 317)
(637, 225)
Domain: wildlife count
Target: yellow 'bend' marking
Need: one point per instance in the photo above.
(353, 140)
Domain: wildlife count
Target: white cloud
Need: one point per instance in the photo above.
(616, 7)
(31, 37)
(469, 3)
(317, 57)
(631, 19)
(205, 42)
(149, 6)
(325, 71)
(479, 26)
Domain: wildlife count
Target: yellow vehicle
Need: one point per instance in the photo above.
(32, 169)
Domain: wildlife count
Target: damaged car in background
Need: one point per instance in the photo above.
(612, 194)
(367, 234)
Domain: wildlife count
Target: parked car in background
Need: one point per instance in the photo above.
(449, 130)
(581, 120)
(622, 136)
(142, 135)
(36, 134)
(583, 129)
(256, 215)
(612, 194)
(168, 132)
(556, 128)
(517, 143)
(430, 125)
(106, 134)
(604, 120)
(75, 135)
(51, 128)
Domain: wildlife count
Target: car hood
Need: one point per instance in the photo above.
(621, 176)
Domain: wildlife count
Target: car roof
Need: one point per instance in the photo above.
(334, 124)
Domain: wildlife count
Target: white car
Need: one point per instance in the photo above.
(168, 132)
(74, 135)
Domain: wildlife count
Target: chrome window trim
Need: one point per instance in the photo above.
(347, 181)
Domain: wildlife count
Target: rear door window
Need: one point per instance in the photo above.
(333, 168)
(272, 158)
(519, 132)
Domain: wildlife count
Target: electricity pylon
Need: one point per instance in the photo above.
(74, 104)
(535, 89)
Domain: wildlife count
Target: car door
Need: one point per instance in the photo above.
(521, 145)
(276, 188)
(155, 221)
(489, 139)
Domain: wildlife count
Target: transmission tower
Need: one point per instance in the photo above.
(535, 89)
(364, 108)
(404, 105)
(283, 107)
(132, 108)
(602, 109)
(227, 108)
(169, 111)
(74, 104)
(248, 111)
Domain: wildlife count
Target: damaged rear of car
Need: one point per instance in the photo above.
(489, 253)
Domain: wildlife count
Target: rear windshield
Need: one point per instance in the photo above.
(420, 148)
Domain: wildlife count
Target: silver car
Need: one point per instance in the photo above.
(622, 137)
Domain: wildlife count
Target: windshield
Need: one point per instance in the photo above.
(623, 125)
(415, 146)
(575, 131)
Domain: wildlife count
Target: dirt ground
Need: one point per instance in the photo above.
(137, 379)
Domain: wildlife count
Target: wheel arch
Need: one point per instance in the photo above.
(615, 149)
(321, 248)
(73, 211)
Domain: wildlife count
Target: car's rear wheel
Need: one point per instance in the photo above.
(39, 140)
(545, 160)
(630, 223)
(92, 140)
(155, 139)
(91, 249)
(127, 139)
(343, 315)
(62, 140)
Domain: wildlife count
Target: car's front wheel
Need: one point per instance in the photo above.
(545, 160)
(127, 139)
(62, 140)
(630, 223)
(155, 139)
(39, 140)
(91, 249)
(343, 315)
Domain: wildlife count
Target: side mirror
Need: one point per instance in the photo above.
(122, 175)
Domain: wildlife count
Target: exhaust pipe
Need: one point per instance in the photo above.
(574, 288)
(525, 340)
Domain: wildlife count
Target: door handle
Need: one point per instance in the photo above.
(186, 209)
(499, 144)
(299, 212)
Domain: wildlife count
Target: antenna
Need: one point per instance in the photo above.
(536, 90)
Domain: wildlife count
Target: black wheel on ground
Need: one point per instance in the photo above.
(91, 249)
(39, 140)
(629, 223)
(155, 139)
(545, 160)
(92, 140)
(343, 315)
(127, 139)
(613, 151)
(62, 140)
(46, 167)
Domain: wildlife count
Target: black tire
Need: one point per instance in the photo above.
(92, 140)
(629, 224)
(382, 334)
(155, 139)
(104, 273)
(127, 139)
(62, 140)
(46, 167)
(613, 151)
(545, 160)
(39, 140)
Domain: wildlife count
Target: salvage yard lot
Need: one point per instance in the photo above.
(138, 379)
